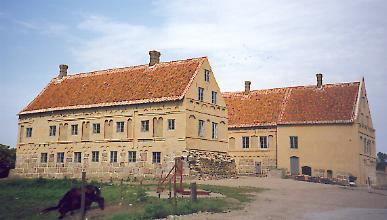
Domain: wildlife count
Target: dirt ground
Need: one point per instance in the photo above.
(289, 199)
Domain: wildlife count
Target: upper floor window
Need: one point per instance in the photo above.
(206, 75)
(60, 157)
(77, 157)
(263, 141)
(145, 126)
(200, 94)
(245, 142)
(120, 126)
(74, 129)
(95, 156)
(132, 156)
(214, 130)
(52, 130)
(43, 157)
(201, 128)
(294, 142)
(28, 132)
(113, 156)
(96, 128)
(171, 124)
(156, 157)
(213, 97)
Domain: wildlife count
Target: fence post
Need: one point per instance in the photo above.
(194, 195)
(83, 196)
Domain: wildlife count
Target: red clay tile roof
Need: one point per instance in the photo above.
(165, 81)
(333, 103)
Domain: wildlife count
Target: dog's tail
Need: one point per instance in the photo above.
(49, 209)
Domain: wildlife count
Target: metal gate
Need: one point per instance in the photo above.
(294, 165)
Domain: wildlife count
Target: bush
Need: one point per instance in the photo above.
(141, 195)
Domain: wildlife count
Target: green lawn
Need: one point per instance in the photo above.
(24, 198)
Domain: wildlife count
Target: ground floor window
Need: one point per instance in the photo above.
(43, 157)
(77, 157)
(329, 173)
(113, 156)
(156, 157)
(306, 170)
(132, 156)
(95, 156)
(60, 157)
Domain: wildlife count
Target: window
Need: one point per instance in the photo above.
(214, 130)
(206, 75)
(28, 132)
(96, 128)
(95, 156)
(74, 129)
(120, 126)
(200, 94)
(60, 157)
(145, 126)
(213, 97)
(171, 124)
(245, 142)
(156, 157)
(52, 130)
(132, 156)
(294, 142)
(201, 128)
(113, 156)
(77, 157)
(263, 141)
(43, 157)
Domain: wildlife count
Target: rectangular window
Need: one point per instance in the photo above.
(206, 75)
(200, 94)
(156, 157)
(145, 126)
(113, 156)
(294, 142)
(214, 130)
(52, 130)
(201, 128)
(77, 157)
(60, 157)
(74, 129)
(96, 128)
(245, 142)
(95, 156)
(213, 97)
(263, 141)
(171, 124)
(28, 132)
(132, 156)
(120, 126)
(43, 157)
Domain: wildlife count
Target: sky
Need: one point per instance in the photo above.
(272, 43)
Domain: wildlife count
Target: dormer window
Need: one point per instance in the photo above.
(207, 75)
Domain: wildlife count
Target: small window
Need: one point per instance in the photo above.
(132, 156)
(206, 75)
(200, 94)
(113, 156)
(60, 157)
(120, 126)
(28, 132)
(245, 142)
(145, 126)
(95, 156)
(74, 129)
(77, 157)
(214, 130)
(294, 142)
(96, 128)
(43, 157)
(52, 130)
(263, 141)
(213, 97)
(171, 124)
(156, 157)
(201, 128)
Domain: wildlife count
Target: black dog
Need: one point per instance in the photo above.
(72, 200)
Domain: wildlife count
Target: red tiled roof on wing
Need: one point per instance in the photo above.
(332, 103)
(164, 81)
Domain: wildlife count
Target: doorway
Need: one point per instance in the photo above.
(294, 165)
(258, 168)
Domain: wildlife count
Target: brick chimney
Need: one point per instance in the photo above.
(247, 87)
(62, 71)
(319, 77)
(154, 57)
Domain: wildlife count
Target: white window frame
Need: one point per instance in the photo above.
(207, 75)
(52, 130)
(43, 157)
(245, 142)
(214, 97)
(120, 126)
(145, 126)
(263, 142)
(293, 142)
(132, 156)
(28, 132)
(113, 156)
(96, 128)
(171, 124)
(214, 130)
(60, 157)
(156, 157)
(201, 131)
(77, 157)
(201, 94)
(74, 129)
(95, 156)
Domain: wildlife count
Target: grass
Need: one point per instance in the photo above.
(24, 198)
